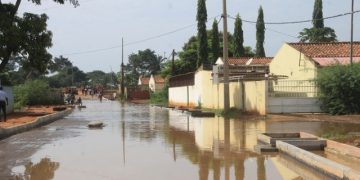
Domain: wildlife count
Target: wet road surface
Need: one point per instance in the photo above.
(144, 142)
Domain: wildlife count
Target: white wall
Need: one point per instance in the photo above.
(208, 95)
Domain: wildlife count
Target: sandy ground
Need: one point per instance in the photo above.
(315, 117)
(28, 115)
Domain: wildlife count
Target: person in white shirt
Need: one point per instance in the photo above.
(3, 102)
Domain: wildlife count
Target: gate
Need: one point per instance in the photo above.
(293, 96)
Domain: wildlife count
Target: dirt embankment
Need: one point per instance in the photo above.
(30, 114)
(315, 117)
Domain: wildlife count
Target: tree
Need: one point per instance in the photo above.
(201, 18)
(146, 62)
(318, 33)
(239, 50)
(35, 40)
(318, 21)
(315, 35)
(59, 64)
(68, 76)
(260, 34)
(15, 31)
(215, 43)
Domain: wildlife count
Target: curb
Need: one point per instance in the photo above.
(40, 121)
(335, 170)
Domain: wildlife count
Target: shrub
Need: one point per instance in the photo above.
(340, 89)
(161, 97)
(36, 92)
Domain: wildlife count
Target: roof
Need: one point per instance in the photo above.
(144, 80)
(159, 80)
(332, 49)
(326, 61)
(251, 61)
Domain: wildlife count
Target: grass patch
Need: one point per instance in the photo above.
(159, 98)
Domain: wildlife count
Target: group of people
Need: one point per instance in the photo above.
(70, 99)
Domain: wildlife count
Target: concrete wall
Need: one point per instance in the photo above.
(290, 62)
(208, 95)
(293, 105)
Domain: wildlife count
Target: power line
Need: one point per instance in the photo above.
(191, 25)
(299, 22)
(135, 42)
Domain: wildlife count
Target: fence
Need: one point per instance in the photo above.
(182, 80)
(293, 88)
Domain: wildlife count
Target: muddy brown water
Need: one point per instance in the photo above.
(144, 142)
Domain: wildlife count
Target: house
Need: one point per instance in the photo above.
(156, 83)
(196, 89)
(244, 68)
(300, 61)
(143, 83)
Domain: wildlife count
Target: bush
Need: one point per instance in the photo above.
(340, 89)
(36, 92)
(161, 97)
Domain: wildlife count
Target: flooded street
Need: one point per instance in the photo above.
(144, 142)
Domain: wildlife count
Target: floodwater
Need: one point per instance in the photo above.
(144, 142)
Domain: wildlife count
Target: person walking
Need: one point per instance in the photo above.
(3, 102)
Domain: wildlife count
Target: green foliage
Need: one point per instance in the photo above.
(25, 36)
(318, 21)
(318, 33)
(215, 42)
(145, 62)
(260, 34)
(36, 92)
(239, 50)
(161, 97)
(68, 76)
(315, 35)
(201, 18)
(340, 89)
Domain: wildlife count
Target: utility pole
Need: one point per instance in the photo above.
(173, 63)
(225, 59)
(122, 89)
(72, 74)
(352, 33)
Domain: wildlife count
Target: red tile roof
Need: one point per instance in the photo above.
(325, 61)
(334, 49)
(250, 61)
(159, 80)
(144, 80)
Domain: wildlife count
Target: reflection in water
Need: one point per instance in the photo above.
(44, 170)
(142, 142)
(222, 147)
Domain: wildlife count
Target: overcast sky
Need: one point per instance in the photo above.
(100, 24)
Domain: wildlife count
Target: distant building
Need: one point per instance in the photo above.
(300, 61)
(143, 83)
(244, 67)
(156, 83)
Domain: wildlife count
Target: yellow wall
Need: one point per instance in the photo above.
(290, 62)
(208, 95)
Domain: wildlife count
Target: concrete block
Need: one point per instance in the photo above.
(319, 163)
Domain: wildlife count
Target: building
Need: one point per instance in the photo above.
(156, 83)
(301, 61)
(143, 83)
